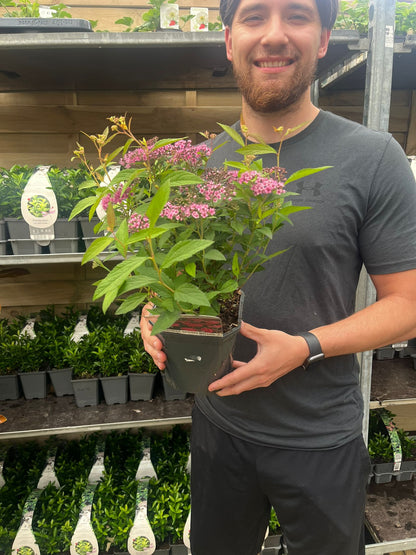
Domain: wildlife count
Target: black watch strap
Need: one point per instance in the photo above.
(315, 349)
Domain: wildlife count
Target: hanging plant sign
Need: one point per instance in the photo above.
(169, 16)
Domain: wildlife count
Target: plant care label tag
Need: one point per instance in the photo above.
(400, 346)
(199, 22)
(169, 16)
(394, 438)
(133, 324)
(39, 207)
(48, 475)
(80, 329)
(29, 329)
(112, 172)
(3, 453)
(46, 12)
(25, 541)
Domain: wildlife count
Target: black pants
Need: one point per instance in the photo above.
(319, 496)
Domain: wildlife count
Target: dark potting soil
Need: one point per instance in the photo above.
(391, 510)
(229, 312)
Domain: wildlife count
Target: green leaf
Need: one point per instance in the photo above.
(238, 227)
(183, 250)
(190, 269)
(137, 282)
(237, 165)
(256, 149)
(189, 293)
(122, 236)
(118, 275)
(131, 302)
(305, 172)
(229, 286)
(214, 254)
(236, 265)
(144, 234)
(164, 321)
(232, 133)
(108, 299)
(81, 206)
(157, 204)
(180, 178)
(97, 247)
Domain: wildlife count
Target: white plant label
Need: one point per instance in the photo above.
(80, 330)
(29, 329)
(169, 16)
(39, 207)
(200, 20)
(46, 12)
(113, 171)
(133, 324)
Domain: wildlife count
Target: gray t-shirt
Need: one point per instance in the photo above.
(363, 210)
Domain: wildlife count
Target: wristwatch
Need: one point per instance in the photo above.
(315, 349)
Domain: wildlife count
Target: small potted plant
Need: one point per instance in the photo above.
(33, 365)
(142, 373)
(85, 370)
(65, 184)
(9, 363)
(12, 184)
(190, 237)
(112, 353)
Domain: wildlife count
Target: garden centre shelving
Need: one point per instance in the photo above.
(91, 61)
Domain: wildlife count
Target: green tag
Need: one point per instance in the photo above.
(394, 438)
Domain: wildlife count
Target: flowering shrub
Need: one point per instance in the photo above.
(190, 236)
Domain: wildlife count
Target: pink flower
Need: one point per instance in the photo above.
(138, 222)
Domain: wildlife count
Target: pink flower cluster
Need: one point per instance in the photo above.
(261, 185)
(181, 152)
(116, 198)
(193, 210)
(138, 222)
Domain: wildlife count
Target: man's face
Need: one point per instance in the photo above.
(274, 46)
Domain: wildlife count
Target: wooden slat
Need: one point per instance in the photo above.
(356, 98)
(132, 98)
(45, 293)
(73, 119)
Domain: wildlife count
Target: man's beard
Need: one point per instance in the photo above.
(269, 96)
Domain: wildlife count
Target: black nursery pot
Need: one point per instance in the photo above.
(198, 353)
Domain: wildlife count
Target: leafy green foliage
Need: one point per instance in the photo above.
(169, 495)
(353, 15)
(30, 8)
(190, 236)
(66, 184)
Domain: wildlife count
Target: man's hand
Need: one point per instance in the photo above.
(152, 344)
(277, 354)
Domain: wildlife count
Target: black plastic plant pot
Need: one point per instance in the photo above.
(86, 391)
(34, 384)
(141, 386)
(9, 387)
(61, 381)
(198, 352)
(115, 389)
(43, 25)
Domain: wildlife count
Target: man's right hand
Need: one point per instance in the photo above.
(152, 344)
